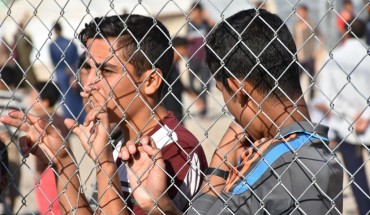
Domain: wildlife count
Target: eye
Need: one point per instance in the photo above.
(106, 71)
(87, 67)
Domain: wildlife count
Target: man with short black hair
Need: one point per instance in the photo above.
(128, 56)
(134, 75)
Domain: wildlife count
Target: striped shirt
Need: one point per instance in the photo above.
(10, 101)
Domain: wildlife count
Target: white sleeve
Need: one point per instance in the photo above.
(190, 185)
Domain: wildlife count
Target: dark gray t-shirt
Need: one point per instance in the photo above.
(296, 174)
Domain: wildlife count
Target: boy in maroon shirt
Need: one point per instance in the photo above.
(128, 56)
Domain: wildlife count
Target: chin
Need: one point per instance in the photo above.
(116, 117)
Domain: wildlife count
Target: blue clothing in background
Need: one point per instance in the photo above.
(64, 56)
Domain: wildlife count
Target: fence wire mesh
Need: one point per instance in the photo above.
(89, 79)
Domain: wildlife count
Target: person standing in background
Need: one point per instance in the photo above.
(44, 98)
(307, 46)
(64, 56)
(10, 100)
(173, 86)
(198, 27)
(345, 15)
(345, 87)
(368, 26)
(23, 49)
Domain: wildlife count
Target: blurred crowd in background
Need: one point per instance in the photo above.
(48, 86)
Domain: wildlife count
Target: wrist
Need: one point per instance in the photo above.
(65, 161)
(104, 155)
(224, 174)
(163, 205)
(167, 205)
(63, 166)
(105, 158)
(107, 165)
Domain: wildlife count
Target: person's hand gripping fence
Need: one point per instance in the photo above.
(42, 139)
(94, 132)
(147, 174)
(94, 136)
(45, 141)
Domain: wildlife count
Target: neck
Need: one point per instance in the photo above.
(143, 123)
(280, 114)
(289, 113)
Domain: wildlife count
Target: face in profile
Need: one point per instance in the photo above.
(113, 76)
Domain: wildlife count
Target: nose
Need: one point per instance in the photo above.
(91, 79)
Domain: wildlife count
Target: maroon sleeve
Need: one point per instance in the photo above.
(178, 156)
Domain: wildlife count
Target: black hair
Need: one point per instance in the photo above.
(82, 60)
(4, 160)
(347, 2)
(12, 76)
(48, 91)
(146, 40)
(196, 6)
(57, 27)
(303, 7)
(357, 27)
(255, 46)
(8, 76)
(179, 41)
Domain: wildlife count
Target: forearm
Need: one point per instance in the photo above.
(109, 188)
(225, 156)
(224, 159)
(71, 199)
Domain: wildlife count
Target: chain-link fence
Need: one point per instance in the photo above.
(89, 79)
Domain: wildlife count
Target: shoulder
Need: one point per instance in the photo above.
(180, 134)
(177, 142)
(267, 157)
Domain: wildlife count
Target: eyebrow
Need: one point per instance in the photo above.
(103, 65)
(107, 66)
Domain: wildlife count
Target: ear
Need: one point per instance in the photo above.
(153, 81)
(238, 88)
